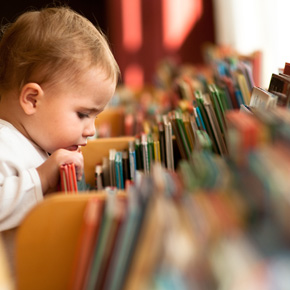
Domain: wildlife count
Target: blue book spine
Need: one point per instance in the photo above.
(119, 170)
(132, 161)
(239, 97)
(200, 117)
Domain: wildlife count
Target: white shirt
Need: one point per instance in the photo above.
(20, 186)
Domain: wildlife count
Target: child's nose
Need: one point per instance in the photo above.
(89, 130)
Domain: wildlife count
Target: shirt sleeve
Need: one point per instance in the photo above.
(20, 191)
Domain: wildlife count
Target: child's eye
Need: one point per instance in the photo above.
(82, 115)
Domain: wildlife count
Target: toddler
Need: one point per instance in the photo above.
(57, 73)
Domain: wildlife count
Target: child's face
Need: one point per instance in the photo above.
(65, 116)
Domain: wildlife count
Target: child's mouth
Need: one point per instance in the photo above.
(73, 148)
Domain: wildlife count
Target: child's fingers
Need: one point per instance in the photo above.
(79, 164)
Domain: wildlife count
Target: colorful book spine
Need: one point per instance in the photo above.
(119, 170)
(68, 180)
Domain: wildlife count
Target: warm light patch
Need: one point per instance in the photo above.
(134, 76)
(179, 17)
(132, 24)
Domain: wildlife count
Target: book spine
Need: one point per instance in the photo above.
(119, 170)
(99, 177)
(132, 160)
(168, 143)
(157, 157)
(125, 165)
(162, 144)
(112, 153)
(145, 153)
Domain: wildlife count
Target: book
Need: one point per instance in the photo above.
(91, 221)
(199, 118)
(245, 68)
(218, 108)
(225, 96)
(183, 133)
(168, 143)
(128, 238)
(112, 167)
(177, 135)
(222, 148)
(263, 99)
(209, 130)
(99, 178)
(151, 154)
(132, 161)
(157, 155)
(146, 248)
(126, 166)
(239, 97)
(139, 156)
(145, 154)
(280, 86)
(194, 129)
(119, 217)
(242, 82)
(188, 129)
(230, 87)
(119, 170)
(286, 69)
(114, 214)
(161, 135)
(68, 180)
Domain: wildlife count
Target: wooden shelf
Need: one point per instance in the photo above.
(46, 241)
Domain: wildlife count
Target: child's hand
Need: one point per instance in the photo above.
(49, 170)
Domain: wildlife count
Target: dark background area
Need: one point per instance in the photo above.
(93, 10)
(107, 15)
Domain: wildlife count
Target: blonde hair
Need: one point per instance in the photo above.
(50, 45)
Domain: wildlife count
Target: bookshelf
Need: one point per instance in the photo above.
(96, 149)
(47, 239)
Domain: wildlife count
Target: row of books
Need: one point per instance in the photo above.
(211, 219)
(211, 224)
(175, 137)
(199, 123)
(214, 54)
(244, 134)
(170, 140)
(246, 131)
(231, 75)
(154, 235)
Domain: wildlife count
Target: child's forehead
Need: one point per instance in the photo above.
(66, 79)
(93, 84)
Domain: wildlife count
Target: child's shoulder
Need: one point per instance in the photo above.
(13, 144)
(8, 132)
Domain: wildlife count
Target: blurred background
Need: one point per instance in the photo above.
(143, 32)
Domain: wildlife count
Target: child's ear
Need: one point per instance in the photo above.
(30, 96)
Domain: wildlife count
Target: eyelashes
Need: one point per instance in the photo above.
(82, 115)
(85, 115)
